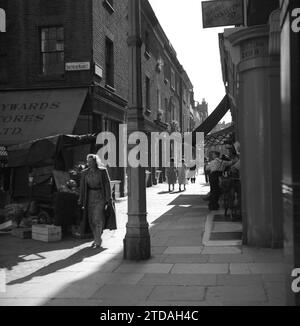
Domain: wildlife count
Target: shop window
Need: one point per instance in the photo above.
(109, 62)
(2, 21)
(52, 50)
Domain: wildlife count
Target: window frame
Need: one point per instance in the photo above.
(173, 79)
(148, 93)
(43, 51)
(109, 64)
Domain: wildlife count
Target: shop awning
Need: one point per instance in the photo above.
(44, 149)
(29, 115)
(209, 124)
(220, 137)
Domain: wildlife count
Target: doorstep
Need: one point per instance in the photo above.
(221, 231)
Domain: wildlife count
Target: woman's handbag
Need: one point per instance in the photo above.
(110, 216)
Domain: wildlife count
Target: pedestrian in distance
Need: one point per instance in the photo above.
(182, 175)
(95, 197)
(193, 173)
(215, 171)
(172, 175)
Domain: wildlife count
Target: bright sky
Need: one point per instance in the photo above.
(197, 48)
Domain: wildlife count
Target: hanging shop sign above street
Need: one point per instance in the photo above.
(78, 66)
(218, 13)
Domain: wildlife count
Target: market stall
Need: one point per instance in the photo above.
(44, 180)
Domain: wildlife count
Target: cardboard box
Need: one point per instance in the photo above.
(46, 233)
(22, 233)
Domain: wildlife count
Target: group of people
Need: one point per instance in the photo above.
(217, 168)
(181, 174)
(96, 197)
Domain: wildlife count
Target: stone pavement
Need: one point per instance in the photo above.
(181, 272)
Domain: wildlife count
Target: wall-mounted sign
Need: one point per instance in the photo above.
(78, 66)
(98, 71)
(222, 13)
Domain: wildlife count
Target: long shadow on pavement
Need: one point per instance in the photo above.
(61, 264)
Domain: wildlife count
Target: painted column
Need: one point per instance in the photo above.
(137, 244)
(257, 102)
(290, 99)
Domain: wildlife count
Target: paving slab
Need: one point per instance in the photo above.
(158, 250)
(72, 303)
(174, 304)
(274, 278)
(221, 250)
(267, 268)
(230, 258)
(179, 279)
(236, 295)
(276, 293)
(186, 259)
(227, 227)
(184, 241)
(124, 292)
(239, 280)
(184, 250)
(93, 267)
(21, 302)
(143, 268)
(115, 278)
(200, 269)
(82, 290)
(239, 268)
(177, 293)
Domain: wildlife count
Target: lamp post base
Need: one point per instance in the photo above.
(137, 248)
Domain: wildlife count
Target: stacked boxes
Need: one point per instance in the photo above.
(46, 233)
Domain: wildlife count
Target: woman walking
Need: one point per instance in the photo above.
(95, 195)
(192, 173)
(172, 175)
(182, 177)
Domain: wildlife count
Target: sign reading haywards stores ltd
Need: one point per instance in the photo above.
(222, 13)
(30, 115)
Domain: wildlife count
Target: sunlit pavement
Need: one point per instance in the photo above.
(181, 272)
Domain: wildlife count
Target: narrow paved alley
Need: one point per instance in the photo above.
(188, 267)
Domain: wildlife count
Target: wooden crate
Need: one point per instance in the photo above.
(46, 233)
(22, 233)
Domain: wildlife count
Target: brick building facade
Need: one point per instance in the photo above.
(70, 44)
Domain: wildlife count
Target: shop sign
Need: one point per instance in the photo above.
(78, 66)
(222, 13)
(254, 48)
(30, 115)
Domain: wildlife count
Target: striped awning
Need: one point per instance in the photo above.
(3, 156)
(221, 137)
(213, 119)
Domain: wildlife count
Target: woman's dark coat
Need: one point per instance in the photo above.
(110, 215)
